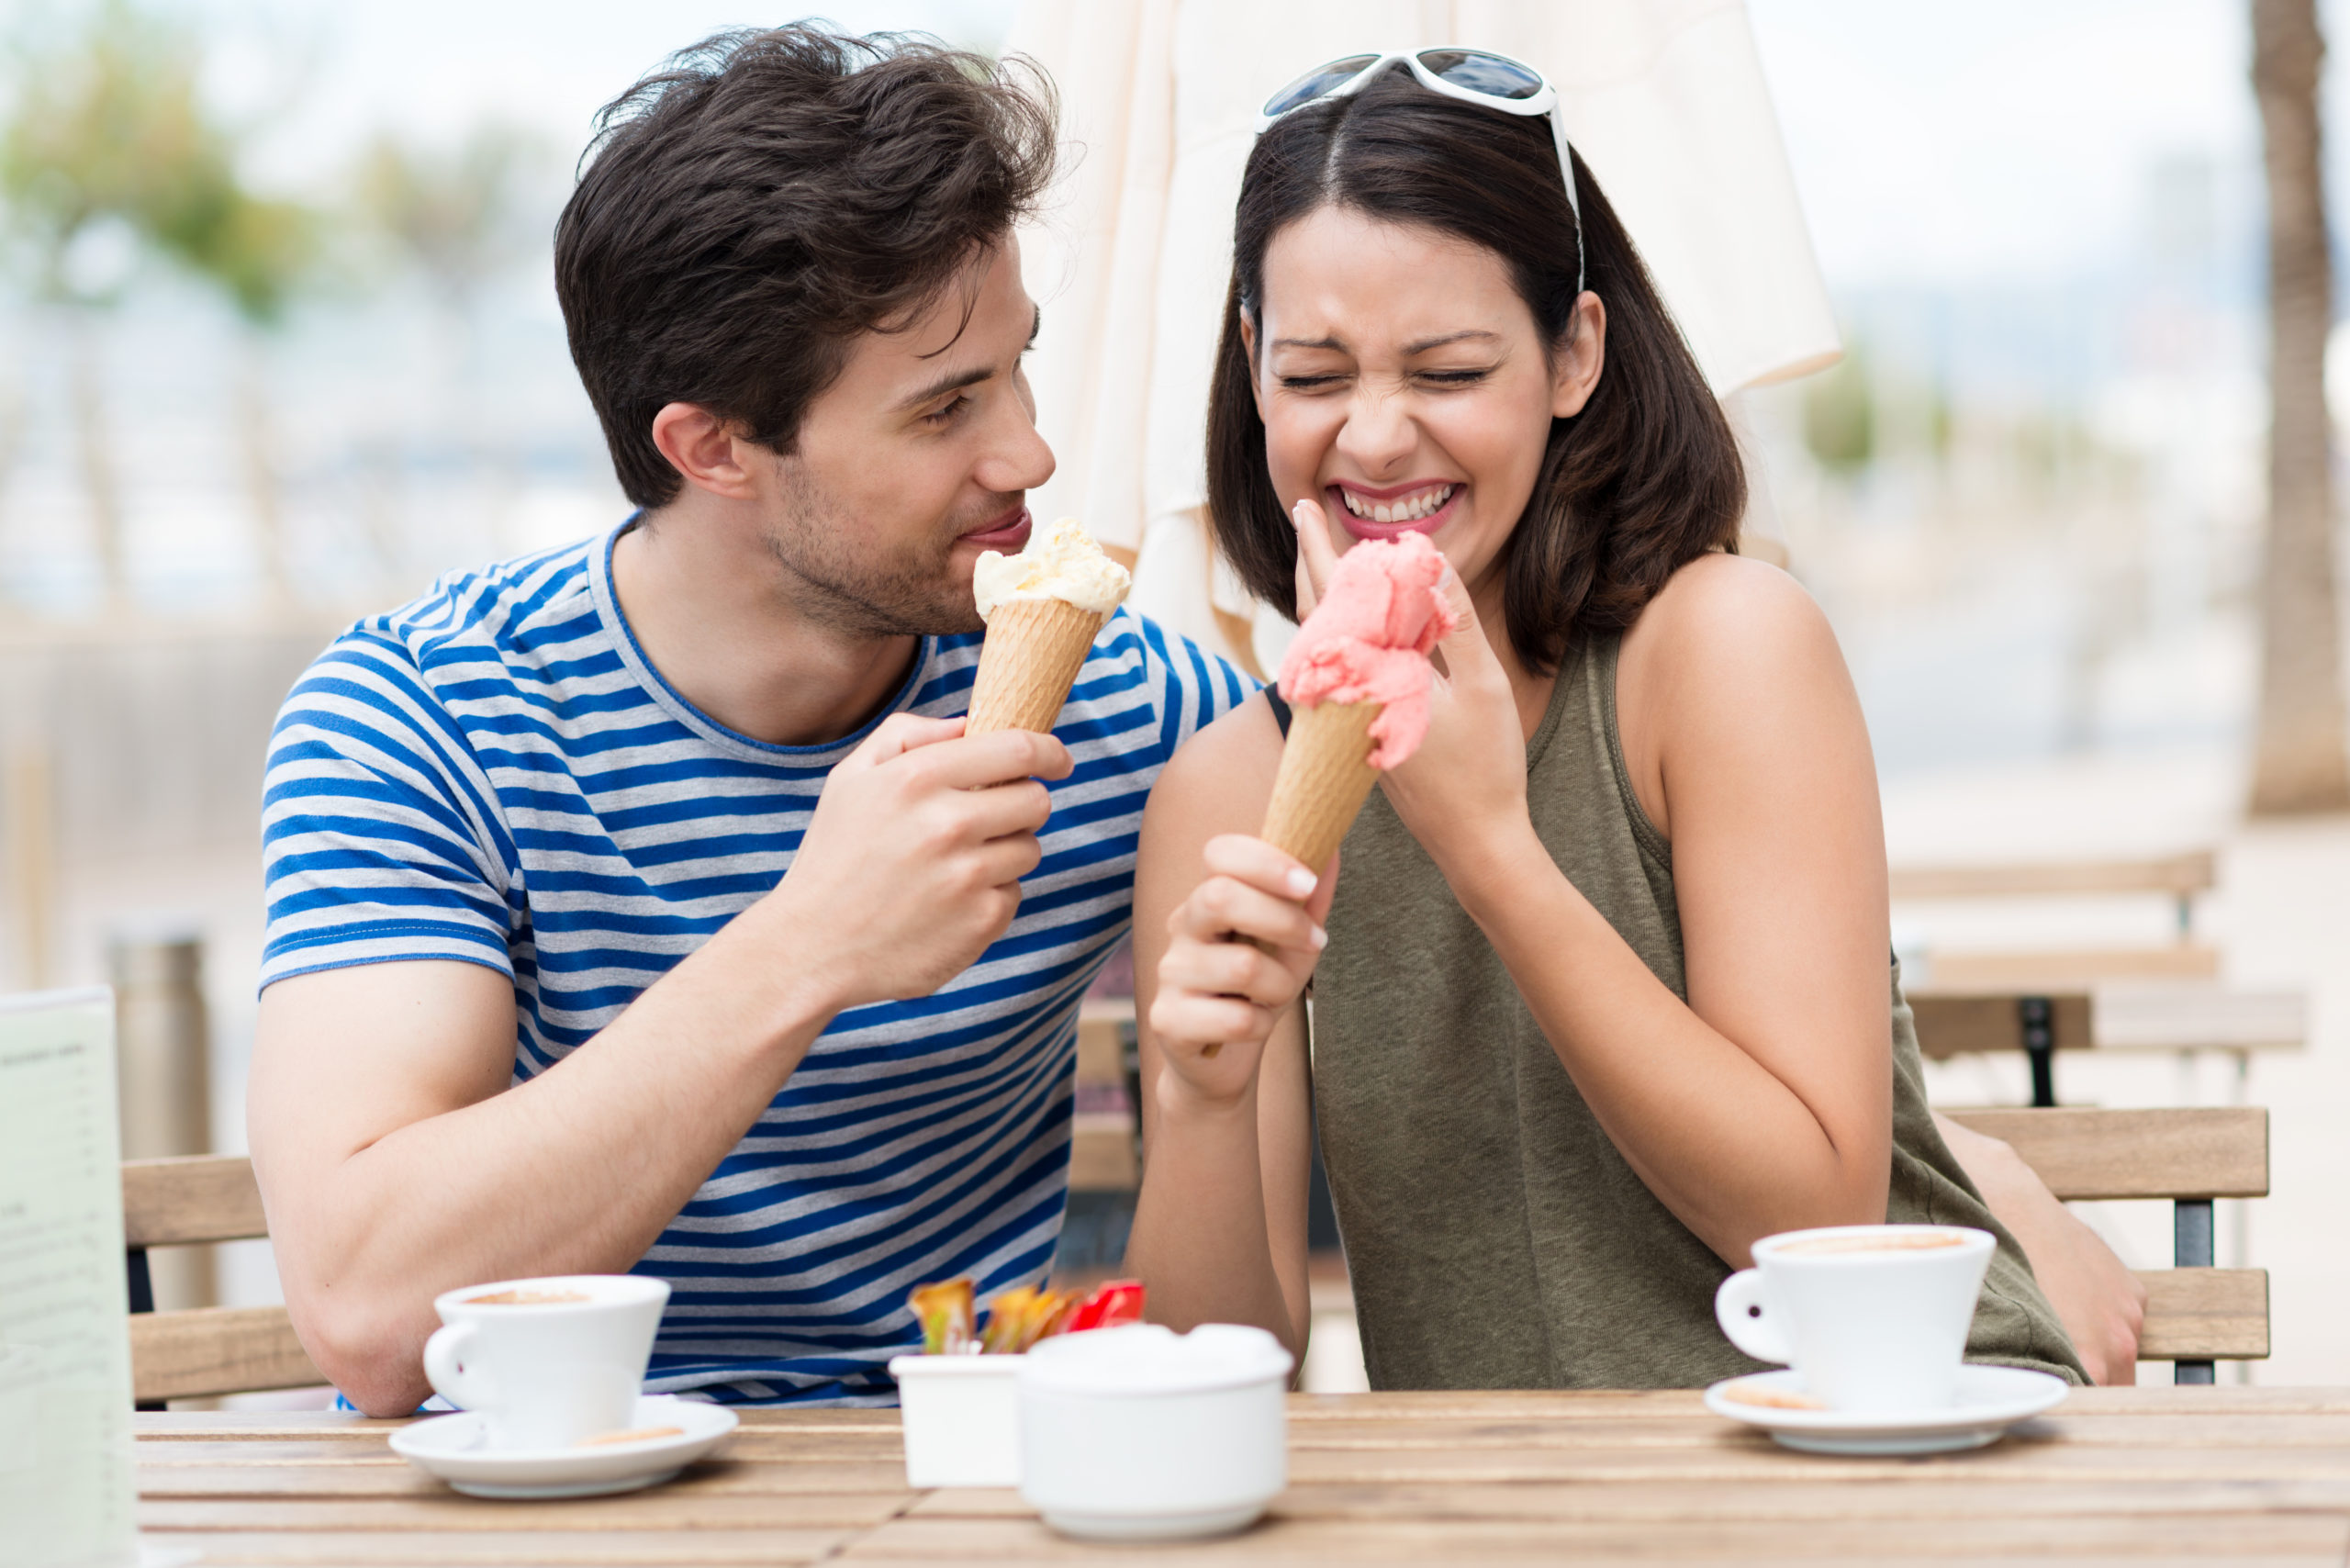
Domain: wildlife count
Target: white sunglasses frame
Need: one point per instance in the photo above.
(1544, 101)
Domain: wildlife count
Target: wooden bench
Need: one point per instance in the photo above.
(2159, 997)
(2196, 1314)
(203, 1350)
(1105, 1144)
(1953, 1022)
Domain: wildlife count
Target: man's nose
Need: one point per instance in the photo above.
(1017, 456)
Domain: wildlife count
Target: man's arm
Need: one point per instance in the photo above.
(396, 1164)
(2102, 1304)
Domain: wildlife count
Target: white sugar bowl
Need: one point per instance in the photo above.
(1143, 1434)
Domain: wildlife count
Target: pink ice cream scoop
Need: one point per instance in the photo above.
(1368, 641)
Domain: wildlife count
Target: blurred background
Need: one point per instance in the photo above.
(278, 344)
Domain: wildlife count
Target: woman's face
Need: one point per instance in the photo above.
(1403, 385)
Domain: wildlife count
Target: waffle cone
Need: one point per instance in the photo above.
(1325, 775)
(1033, 649)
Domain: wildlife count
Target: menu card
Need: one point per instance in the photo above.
(65, 1455)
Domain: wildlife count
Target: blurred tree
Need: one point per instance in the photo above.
(453, 216)
(96, 129)
(107, 150)
(2300, 764)
(1840, 414)
(257, 252)
(456, 217)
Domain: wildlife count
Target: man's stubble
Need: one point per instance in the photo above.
(846, 581)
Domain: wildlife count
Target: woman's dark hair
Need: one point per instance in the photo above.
(766, 198)
(1643, 480)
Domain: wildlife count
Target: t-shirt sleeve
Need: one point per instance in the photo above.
(381, 841)
(1190, 688)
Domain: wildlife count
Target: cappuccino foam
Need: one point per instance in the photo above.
(1905, 1242)
(527, 1298)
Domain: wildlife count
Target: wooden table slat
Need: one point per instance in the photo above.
(2236, 1537)
(510, 1548)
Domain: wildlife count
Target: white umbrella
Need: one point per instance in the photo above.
(1663, 99)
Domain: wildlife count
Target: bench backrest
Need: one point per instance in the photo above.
(203, 1350)
(2176, 876)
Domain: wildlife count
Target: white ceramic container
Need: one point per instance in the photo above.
(962, 1419)
(1142, 1434)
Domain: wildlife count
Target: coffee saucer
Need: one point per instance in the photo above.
(1990, 1400)
(455, 1449)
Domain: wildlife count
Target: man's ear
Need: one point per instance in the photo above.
(1248, 347)
(1583, 358)
(704, 449)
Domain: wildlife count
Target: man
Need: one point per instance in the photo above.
(540, 996)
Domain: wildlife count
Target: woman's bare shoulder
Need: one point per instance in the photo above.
(1733, 624)
(1732, 672)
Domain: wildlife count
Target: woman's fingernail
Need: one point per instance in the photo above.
(1321, 939)
(1297, 518)
(1301, 884)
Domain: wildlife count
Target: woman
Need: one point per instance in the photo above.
(1605, 995)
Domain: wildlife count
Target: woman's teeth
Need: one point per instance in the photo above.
(1411, 508)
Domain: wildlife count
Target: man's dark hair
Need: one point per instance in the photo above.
(1642, 482)
(748, 210)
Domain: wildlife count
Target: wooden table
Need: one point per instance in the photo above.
(2145, 1477)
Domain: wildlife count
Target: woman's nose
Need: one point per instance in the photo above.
(1379, 433)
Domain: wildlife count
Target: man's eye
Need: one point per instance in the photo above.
(945, 415)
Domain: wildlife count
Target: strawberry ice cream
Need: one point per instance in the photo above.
(1368, 641)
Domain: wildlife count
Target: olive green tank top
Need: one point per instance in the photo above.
(1494, 1235)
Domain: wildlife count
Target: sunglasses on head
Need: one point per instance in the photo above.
(1473, 75)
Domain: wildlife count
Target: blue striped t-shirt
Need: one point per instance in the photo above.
(495, 773)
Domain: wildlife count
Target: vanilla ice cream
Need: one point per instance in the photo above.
(1060, 563)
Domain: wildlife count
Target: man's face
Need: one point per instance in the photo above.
(917, 459)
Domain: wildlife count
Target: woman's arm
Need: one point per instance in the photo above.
(1219, 1232)
(1764, 1103)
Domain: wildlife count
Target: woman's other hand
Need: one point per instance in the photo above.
(2102, 1304)
(1241, 949)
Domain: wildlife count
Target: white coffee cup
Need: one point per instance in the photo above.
(547, 1361)
(1874, 1317)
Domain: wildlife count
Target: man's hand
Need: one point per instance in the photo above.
(2102, 1304)
(912, 864)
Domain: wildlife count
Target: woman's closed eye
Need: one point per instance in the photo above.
(1312, 383)
(1469, 378)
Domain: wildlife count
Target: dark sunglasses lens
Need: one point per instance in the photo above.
(1316, 81)
(1496, 75)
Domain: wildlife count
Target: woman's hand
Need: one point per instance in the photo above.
(1240, 950)
(1463, 793)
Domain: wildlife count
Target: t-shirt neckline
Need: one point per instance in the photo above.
(674, 703)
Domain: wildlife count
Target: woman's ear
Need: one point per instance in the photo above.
(1581, 360)
(705, 450)
(1248, 350)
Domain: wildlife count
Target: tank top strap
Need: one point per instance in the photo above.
(1281, 710)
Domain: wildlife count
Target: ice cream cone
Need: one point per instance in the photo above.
(1033, 649)
(1325, 775)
